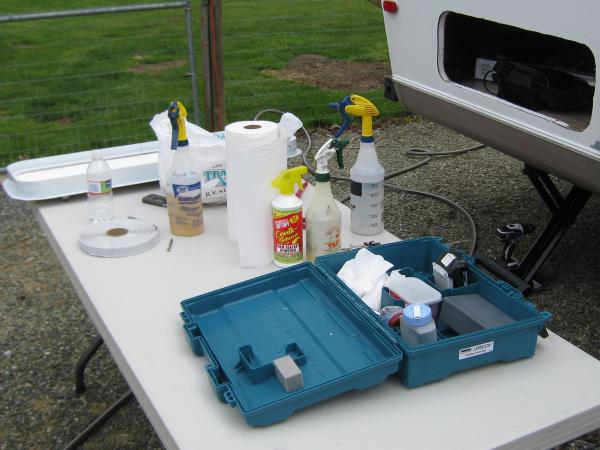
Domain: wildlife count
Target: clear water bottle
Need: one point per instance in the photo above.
(99, 191)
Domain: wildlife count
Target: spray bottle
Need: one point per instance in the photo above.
(287, 218)
(366, 176)
(184, 191)
(323, 217)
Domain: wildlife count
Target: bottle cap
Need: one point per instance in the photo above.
(97, 154)
(416, 315)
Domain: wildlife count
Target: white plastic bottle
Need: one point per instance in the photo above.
(417, 326)
(323, 217)
(366, 191)
(323, 223)
(99, 191)
(366, 176)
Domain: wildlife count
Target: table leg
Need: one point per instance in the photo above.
(98, 421)
(83, 361)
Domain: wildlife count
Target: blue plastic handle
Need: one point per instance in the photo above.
(341, 108)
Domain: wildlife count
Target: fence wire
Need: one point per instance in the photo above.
(81, 83)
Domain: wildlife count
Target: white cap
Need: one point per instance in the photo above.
(97, 154)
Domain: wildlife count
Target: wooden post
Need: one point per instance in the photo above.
(206, 69)
(212, 63)
(219, 77)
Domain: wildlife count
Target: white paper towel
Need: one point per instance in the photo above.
(256, 154)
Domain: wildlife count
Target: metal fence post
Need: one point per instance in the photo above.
(192, 59)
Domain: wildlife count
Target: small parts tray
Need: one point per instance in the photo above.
(451, 353)
(243, 328)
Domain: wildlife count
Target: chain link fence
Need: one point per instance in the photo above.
(69, 84)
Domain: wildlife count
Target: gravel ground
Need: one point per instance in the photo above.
(44, 329)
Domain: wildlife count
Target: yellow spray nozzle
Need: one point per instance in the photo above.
(178, 111)
(362, 107)
(286, 180)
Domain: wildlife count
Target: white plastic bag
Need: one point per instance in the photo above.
(208, 151)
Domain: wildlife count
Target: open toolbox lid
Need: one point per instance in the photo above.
(334, 339)
(295, 311)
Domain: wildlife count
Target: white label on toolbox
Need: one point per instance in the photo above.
(476, 350)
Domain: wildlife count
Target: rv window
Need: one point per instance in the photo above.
(547, 74)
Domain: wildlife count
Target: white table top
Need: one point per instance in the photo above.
(134, 303)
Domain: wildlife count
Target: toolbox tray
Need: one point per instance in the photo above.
(336, 340)
(434, 361)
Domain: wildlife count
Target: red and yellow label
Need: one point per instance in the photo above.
(287, 236)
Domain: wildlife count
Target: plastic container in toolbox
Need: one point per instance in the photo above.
(337, 342)
(450, 354)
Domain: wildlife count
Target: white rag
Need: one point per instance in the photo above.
(366, 275)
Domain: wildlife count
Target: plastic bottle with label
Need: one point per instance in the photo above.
(184, 189)
(366, 176)
(287, 219)
(323, 217)
(99, 182)
(417, 326)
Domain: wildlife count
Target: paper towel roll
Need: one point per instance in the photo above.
(255, 156)
(242, 137)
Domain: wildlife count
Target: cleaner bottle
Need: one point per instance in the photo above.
(99, 191)
(323, 217)
(184, 190)
(366, 176)
(287, 218)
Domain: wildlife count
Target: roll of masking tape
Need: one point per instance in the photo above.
(118, 238)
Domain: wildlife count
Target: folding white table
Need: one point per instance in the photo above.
(134, 304)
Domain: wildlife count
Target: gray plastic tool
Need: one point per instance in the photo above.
(288, 373)
(471, 312)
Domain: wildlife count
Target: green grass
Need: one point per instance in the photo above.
(91, 82)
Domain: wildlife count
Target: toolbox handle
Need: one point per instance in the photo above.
(220, 385)
(503, 273)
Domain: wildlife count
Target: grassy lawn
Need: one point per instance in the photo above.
(92, 82)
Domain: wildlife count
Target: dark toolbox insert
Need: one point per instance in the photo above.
(337, 342)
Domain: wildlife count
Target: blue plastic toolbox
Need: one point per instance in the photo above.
(298, 312)
(337, 342)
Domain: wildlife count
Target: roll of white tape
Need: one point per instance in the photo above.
(118, 237)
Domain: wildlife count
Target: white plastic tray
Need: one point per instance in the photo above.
(65, 175)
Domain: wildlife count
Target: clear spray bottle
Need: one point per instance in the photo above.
(367, 174)
(184, 189)
(323, 217)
